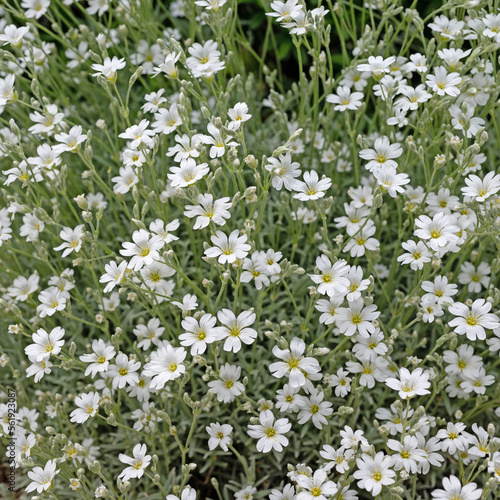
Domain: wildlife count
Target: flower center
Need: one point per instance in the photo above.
(234, 331)
(315, 491)
(472, 320)
(356, 319)
(270, 432)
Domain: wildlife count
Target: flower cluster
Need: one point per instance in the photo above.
(245, 266)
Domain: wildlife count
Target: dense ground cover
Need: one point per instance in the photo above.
(249, 250)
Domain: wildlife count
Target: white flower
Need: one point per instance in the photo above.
(370, 347)
(284, 11)
(417, 254)
(219, 435)
(253, 270)
(314, 408)
(312, 188)
(166, 364)
(228, 249)
(408, 454)
(438, 231)
(199, 333)
(69, 142)
(22, 288)
(189, 303)
(149, 334)
(114, 275)
(341, 382)
(284, 171)
(43, 122)
(227, 387)
(344, 99)
(51, 301)
(287, 399)
(390, 181)
(236, 329)
(139, 134)
(337, 459)
(270, 433)
(239, 114)
(164, 231)
(453, 490)
(41, 479)
(463, 361)
(474, 277)
(473, 321)
(294, 364)
(99, 359)
(449, 29)
(430, 309)
(45, 343)
(288, 493)
(382, 154)
(125, 181)
(357, 318)
(209, 210)
(185, 147)
(88, 405)
(47, 157)
(377, 66)
(170, 70)
(372, 370)
(123, 372)
(38, 369)
(204, 59)
(167, 120)
(454, 437)
(13, 35)
(217, 141)
(188, 173)
(443, 83)
(72, 238)
(136, 465)
(143, 250)
(245, 494)
(465, 121)
(362, 240)
(481, 189)
(373, 473)
(329, 309)
(411, 384)
(98, 7)
(108, 68)
(333, 278)
(441, 290)
(317, 487)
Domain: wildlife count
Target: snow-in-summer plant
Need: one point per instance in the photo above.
(249, 250)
